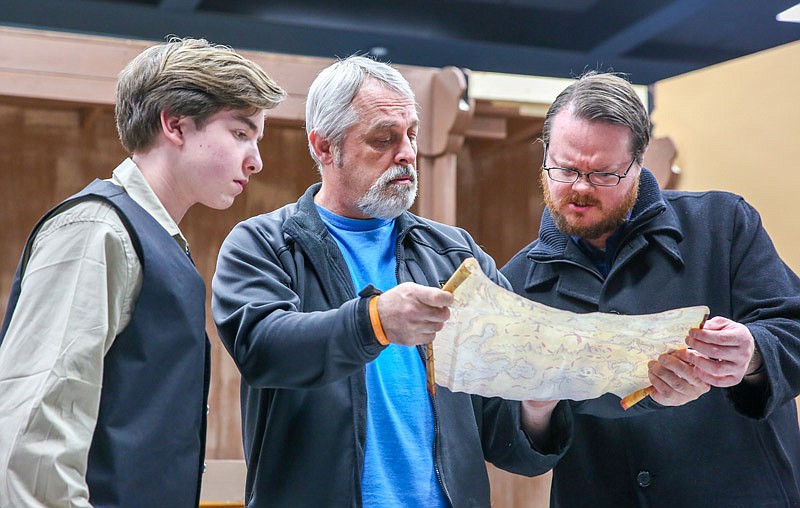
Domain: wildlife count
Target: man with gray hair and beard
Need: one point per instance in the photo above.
(326, 304)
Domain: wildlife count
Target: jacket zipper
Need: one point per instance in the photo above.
(435, 439)
(420, 349)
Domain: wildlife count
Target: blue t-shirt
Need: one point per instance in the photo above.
(398, 459)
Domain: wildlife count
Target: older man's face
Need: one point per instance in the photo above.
(374, 172)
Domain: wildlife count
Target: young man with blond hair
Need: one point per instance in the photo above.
(104, 360)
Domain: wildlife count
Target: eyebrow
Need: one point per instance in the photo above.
(389, 125)
(250, 124)
(572, 168)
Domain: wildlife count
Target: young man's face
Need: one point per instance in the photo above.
(374, 174)
(580, 208)
(220, 156)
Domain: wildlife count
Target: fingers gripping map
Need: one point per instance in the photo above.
(497, 343)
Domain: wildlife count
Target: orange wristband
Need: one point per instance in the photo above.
(375, 319)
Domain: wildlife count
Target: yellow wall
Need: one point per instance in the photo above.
(737, 128)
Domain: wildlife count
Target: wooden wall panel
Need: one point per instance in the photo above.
(46, 153)
(499, 199)
(514, 491)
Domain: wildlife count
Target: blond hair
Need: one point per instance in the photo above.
(187, 77)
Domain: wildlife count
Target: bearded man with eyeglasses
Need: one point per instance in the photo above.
(720, 427)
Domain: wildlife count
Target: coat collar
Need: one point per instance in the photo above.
(651, 222)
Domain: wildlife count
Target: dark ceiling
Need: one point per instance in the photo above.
(648, 39)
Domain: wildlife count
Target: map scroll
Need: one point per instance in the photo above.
(499, 344)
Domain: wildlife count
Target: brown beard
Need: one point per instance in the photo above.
(611, 220)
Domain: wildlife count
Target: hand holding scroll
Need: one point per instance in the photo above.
(675, 378)
(411, 314)
(727, 349)
(721, 354)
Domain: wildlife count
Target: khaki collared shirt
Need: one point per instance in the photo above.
(78, 293)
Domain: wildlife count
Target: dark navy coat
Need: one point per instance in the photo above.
(732, 447)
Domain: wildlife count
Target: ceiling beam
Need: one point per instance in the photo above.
(643, 29)
(148, 22)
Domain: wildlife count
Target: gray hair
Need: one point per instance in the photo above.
(604, 97)
(329, 106)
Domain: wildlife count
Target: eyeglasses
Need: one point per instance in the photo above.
(598, 178)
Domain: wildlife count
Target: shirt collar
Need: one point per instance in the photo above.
(128, 176)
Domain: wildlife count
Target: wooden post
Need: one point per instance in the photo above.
(446, 114)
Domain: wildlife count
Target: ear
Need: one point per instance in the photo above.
(322, 148)
(172, 126)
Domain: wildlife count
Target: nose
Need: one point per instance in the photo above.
(583, 180)
(253, 163)
(407, 154)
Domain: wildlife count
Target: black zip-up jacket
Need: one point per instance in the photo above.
(285, 308)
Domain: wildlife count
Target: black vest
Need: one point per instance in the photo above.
(149, 443)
